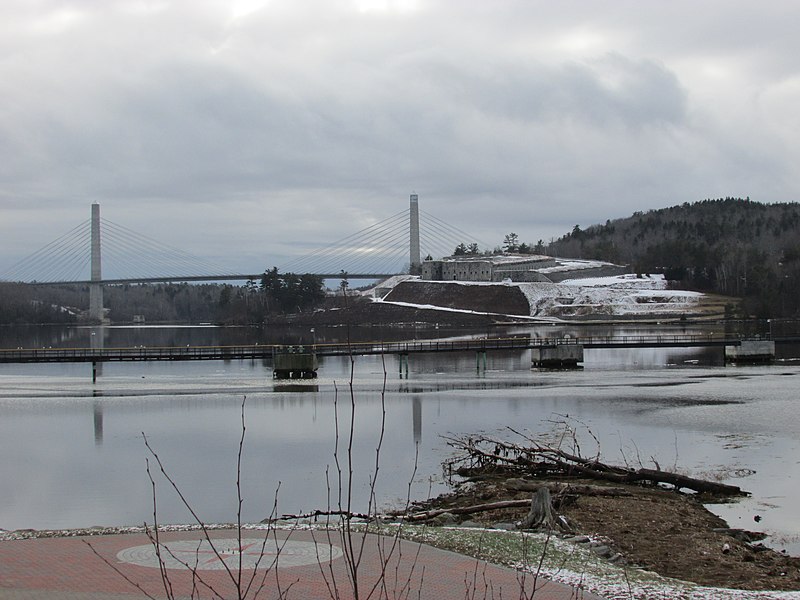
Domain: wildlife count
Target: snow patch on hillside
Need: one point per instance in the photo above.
(574, 264)
(384, 287)
(629, 280)
(619, 295)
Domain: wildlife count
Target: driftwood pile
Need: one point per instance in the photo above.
(546, 471)
(478, 454)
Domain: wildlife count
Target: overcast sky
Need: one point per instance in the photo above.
(241, 130)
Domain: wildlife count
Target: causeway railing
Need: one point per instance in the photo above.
(258, 352)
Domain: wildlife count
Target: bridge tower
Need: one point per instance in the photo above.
(414, 259)
(96, 289)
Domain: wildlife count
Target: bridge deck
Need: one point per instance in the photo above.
(261, 352)
(199, 278)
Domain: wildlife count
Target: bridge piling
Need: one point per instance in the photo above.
(294, 362)
(96, 288)
(480, 360)
(403, 364)
(751, 351)
(557, 356)
(414, 251)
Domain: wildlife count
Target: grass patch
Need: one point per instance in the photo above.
(560, 560)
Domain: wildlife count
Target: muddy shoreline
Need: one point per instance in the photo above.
(664, 531)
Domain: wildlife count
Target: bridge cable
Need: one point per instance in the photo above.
(30, 268)
(71, 258)
(165, 253)
(445, 234)
(333, 253)
(151, 255)
(135, 261)
(435, 221)
(378, 254)
(394, 250)
(154, 254)
(345, 245)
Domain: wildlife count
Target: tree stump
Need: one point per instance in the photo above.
(541, 514)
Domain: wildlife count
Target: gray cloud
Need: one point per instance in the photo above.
(251, 127)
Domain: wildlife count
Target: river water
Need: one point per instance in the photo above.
(74, 455)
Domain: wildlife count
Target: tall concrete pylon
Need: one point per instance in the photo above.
(414, 260)
(96, 289)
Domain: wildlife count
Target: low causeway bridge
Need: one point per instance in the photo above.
(404, 348)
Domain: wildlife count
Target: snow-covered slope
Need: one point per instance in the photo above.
(621, 295)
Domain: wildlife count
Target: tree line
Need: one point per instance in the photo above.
(254, 302)
(511, 245)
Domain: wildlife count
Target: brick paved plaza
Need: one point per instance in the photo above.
(309, 566)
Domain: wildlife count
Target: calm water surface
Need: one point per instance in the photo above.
(73, 453)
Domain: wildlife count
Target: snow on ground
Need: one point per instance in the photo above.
(383, 288)
(619, 295)
(614, 296)
(629, 280)
(460, 310)
(573, 264)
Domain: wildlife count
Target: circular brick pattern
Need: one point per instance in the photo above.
(199, 554)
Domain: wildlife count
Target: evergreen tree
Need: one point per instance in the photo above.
(511, 243)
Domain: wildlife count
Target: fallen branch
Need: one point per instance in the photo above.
(476, 454)
(564, 489)
(323, 513)
(465, 510)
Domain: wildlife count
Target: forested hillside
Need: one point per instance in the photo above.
(731, 246)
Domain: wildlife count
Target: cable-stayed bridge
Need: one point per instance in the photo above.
(100, 252)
